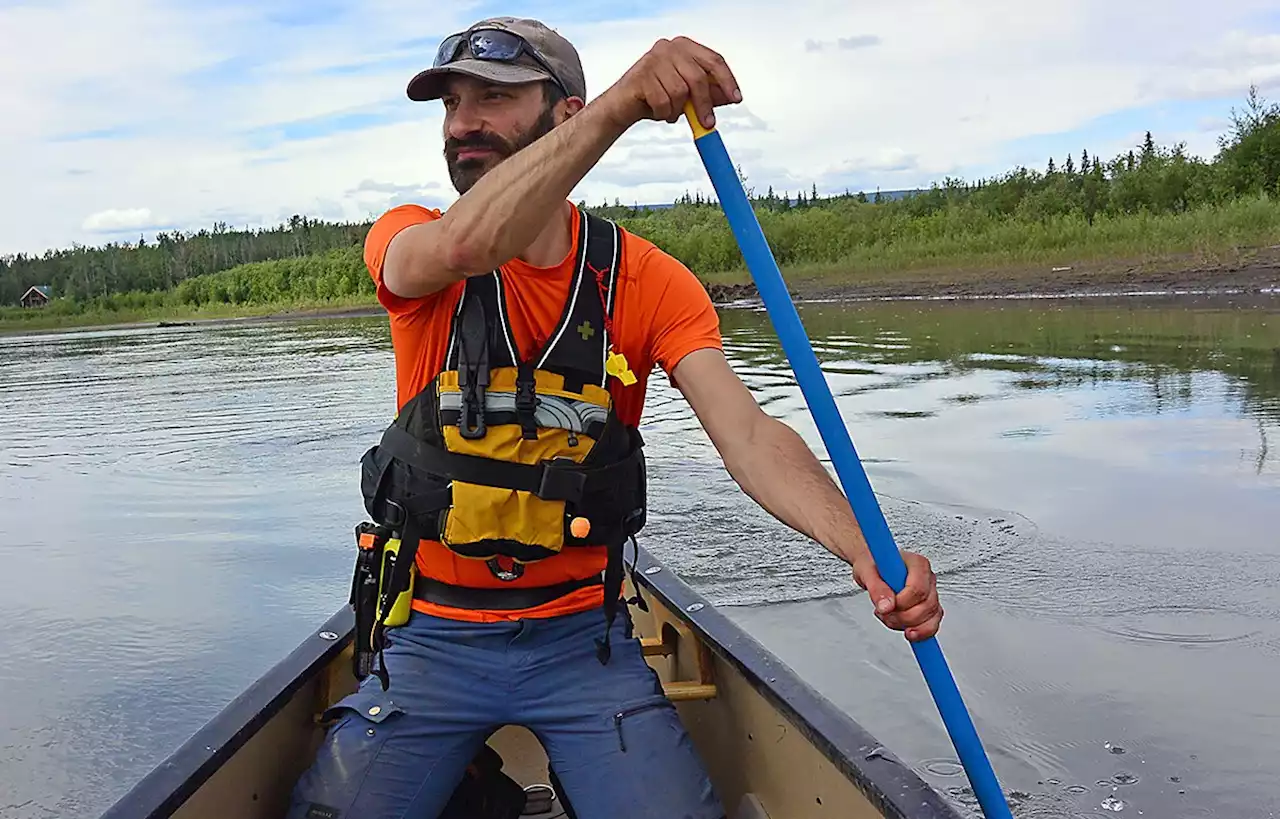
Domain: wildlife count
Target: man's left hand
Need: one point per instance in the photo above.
(915, 609)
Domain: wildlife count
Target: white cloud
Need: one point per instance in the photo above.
(118, 219)
(376, 197)
(1213, 125)
(199, 110)
(843, 43)
(885, 159)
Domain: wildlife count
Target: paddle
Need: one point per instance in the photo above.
(813, 385)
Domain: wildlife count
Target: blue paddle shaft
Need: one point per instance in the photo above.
(835, 435)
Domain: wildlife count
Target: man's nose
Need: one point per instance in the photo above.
(463, 120)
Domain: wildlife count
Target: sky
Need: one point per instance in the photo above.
(121, 118)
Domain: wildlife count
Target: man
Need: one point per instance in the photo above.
(486, 644)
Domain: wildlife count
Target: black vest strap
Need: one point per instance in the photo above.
(472, 338)
(401, 573)
(526, 400)
(578, 347)
(579, 344)
(549, 480)
(484, 297)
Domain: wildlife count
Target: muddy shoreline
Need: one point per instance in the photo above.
(1258, 274)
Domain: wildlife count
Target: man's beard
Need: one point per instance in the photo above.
(466, 172)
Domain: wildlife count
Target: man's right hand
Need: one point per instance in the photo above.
(666, 77)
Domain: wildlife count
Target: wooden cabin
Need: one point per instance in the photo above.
(38, 295)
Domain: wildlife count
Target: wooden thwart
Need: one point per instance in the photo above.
(684, 691)
(655, 647)
(702, 687)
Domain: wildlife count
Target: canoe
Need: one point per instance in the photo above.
(775, 748)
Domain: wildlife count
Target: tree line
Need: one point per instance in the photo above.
(307, 259)
(173, 257)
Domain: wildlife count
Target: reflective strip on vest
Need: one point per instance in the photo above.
(552, 412)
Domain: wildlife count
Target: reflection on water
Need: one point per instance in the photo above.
(1095, 483)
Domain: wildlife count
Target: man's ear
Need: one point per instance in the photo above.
(572, 105)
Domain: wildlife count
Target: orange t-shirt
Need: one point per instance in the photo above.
(661, 314)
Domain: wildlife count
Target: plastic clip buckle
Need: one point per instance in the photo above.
(562, 479)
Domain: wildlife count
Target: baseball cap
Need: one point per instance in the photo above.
(543, 55)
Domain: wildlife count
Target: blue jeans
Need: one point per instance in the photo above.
(612, 737)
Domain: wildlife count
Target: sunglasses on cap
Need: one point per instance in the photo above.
(491, 44)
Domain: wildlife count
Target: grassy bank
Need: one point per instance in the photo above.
(859, 244)
(844, 245)
(332, 281)
(16, 321)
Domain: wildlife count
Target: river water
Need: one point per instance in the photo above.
(1097, 483)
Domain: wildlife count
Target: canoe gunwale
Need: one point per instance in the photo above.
(162, 791)
(890, 784)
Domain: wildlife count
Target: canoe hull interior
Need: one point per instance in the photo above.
(773, 747)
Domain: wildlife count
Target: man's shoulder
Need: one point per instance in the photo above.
(404, 215)
(378, 240)
(413, 209)
(391, 222)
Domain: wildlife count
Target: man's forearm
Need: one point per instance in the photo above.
(510, 205)
(778, 470)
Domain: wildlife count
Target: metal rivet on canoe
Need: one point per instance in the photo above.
(375, 710)
(653, 570)
(694, 607)
(328, 635)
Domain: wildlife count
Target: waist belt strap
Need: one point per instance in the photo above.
(467, 597)
(547, 480)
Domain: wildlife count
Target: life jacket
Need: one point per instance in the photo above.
(503, 459)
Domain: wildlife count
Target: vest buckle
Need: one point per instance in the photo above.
(471, 417)
(562, 479)
(526, 401)
(472, 382)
